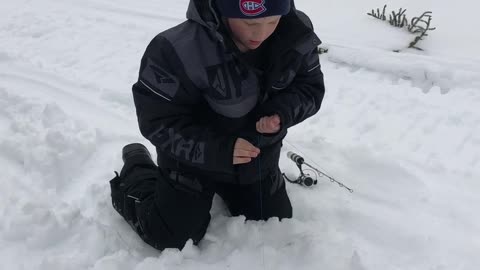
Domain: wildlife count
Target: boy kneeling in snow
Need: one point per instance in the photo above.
(216, 95)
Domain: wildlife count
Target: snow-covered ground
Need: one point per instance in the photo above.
(402, 129)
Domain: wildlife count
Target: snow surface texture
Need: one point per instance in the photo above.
(402, 129)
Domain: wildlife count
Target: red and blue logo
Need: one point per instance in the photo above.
(252, 7)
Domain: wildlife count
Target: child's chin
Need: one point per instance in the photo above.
(253, 47)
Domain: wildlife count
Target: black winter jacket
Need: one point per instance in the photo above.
(195, 95)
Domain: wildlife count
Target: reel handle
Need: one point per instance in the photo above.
(299, 160)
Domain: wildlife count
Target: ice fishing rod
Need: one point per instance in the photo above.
(305, 179)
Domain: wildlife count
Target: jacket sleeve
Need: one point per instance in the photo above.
(301, 100)
(167, 115)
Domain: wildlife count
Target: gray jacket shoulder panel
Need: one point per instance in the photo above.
(185, 32)
(196, 49)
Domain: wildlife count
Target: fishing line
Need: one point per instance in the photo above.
(261, 206)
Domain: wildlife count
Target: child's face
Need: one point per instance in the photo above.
(249, 34)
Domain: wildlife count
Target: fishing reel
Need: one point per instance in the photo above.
(304, 179)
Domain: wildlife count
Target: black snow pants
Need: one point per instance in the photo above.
(167, 208)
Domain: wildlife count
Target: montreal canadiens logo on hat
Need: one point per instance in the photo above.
(252, 7)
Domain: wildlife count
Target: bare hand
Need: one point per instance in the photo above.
(244, 151)
(269, 124)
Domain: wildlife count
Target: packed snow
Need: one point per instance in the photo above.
(401, 129)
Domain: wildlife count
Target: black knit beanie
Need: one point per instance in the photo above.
(250, 9)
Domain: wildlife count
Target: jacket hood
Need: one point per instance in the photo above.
(204, 13)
